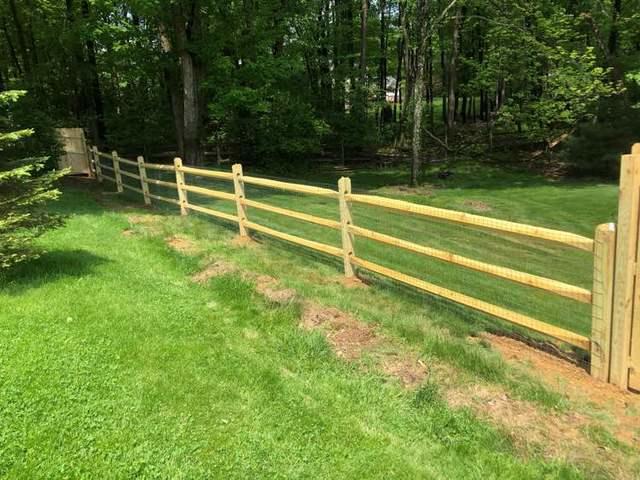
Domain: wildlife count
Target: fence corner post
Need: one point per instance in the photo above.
(116, 171)
(239, 193)
(142, 172)
(604, 253)
(182, 193)
(626, 265)
(346, 220)
(96, 163)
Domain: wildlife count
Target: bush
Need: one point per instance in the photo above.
(596, 147)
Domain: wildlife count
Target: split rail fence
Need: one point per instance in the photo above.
(614, 344)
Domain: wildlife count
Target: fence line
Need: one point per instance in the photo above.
(601, 297)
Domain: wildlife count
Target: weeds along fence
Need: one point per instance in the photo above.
(612, 347)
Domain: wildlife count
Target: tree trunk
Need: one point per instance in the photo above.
(396, 90)
(418, 91)
(96, 93)
(613, 33)
(452, 73)
(362, 87)
(191, 112)
(463, 109)
(364, 14)
(174, 89)
(11, 48)
(382, 73)
(22, 43)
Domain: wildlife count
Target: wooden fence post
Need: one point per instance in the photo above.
(625, 268)
(116, 171)
(182, 193)
(238, 189)
(602, 300)
(96, 163)
(142, 172)
(344, 188)
(89, 152)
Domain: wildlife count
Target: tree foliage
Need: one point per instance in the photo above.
(26, 186)
(278, 81)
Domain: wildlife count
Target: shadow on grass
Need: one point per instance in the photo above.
(50, 266)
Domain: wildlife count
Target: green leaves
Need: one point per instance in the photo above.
(25, 189)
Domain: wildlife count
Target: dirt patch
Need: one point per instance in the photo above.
(127, 232)
(351, 338)
(269, 288)
(477, 205)
(411, 371)
(182, 244)
(144, 219)
(352, 282)
(148, 223)
(348, 336)
(573, 381)
(240, 241)
(215, 269)
(425, 190)
(533, 430)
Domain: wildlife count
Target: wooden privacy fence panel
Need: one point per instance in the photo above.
(77, 156)
(614, 353)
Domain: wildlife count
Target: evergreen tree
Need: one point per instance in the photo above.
(26, 187)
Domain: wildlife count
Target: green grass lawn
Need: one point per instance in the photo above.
(113, 364)
(576, 207)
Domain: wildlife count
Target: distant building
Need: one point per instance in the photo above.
(389, 94)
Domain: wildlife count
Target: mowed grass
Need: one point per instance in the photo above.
(113, 364)
(576, 207)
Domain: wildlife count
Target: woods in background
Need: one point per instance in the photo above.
(281, 81)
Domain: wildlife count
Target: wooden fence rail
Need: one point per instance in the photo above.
(603, 350)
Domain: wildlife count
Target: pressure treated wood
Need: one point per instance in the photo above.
(107, 177)
(346, 221)
(159, 166)
(292, 187)
(293, 214)
(105, 155)
(626, 259)
(634, 340)
(106, 167)
(96, 163)
(209, 193)
(348, 231)
(214, 213)
(207, 173)
(508, 315)
(239, 196)
(127, 162)
(129, 174)
(182, 193)
(162, 183)
(165, 199)
(134, 189)
(566, 238)
(553, 286)
(144, 185)
(320, 247)
(602, 309)
(116, 171)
